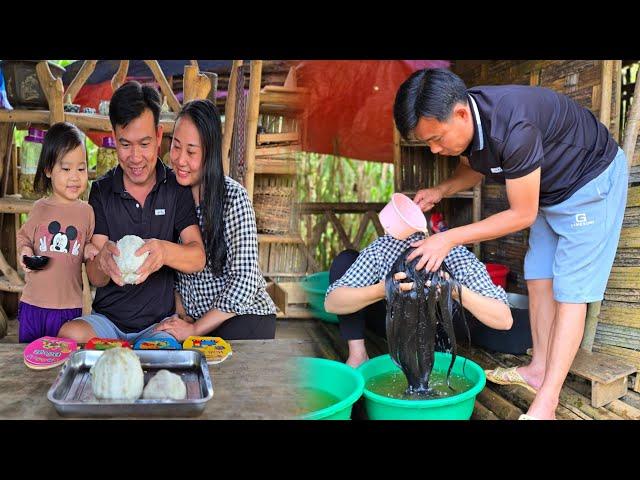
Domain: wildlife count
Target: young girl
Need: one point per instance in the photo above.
(59, 227)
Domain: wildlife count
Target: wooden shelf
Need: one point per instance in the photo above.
(275, 166)
(464, 194)
(84, 121)
(269, 238)
(15, 205)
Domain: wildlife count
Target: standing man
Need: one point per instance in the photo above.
(138, 197)
(565, 177)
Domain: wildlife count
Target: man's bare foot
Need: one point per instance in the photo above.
(355, 360)
(543, 408)
(532, 376)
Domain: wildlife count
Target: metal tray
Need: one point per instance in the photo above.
(72, 395)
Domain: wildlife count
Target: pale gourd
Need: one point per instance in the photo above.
(117, 375)
(127, 261)
(165, 385)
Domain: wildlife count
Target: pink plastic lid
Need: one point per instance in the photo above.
(49, 351)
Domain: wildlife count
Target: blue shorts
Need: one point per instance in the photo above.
(105, 328)
(575, 242)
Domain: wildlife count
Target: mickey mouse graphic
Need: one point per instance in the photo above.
(61, 239)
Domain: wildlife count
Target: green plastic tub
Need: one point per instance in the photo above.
(457, 407)
(316, 286)
(335, 378)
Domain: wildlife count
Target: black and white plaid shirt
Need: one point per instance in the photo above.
(375, 261)
(241, 287)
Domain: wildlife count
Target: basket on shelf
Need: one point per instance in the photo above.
(273, 206)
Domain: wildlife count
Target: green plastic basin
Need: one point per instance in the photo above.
(316, 286)
(335, 378)
(456, 407)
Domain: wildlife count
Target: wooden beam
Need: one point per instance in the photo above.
(88, 66)
(15, 205)
(195, 85)
(9, 273)
(397, 160)
(28, 116)
(229, 115)
(53, 90)
(278, 137)
(253, 110)
(339, 228)
(631, 126)
(158, 74)
(342, 207)
(121, 74)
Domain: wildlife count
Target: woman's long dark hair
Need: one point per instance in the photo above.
(206, 117)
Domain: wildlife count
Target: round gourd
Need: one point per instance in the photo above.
(117, 375)
(165, 385)
(127, 261)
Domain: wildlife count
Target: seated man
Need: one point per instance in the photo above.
(357, 292)
(138, 197)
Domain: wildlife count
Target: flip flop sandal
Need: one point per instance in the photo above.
(508, 376)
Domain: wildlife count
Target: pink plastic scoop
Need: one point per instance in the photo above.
(401, 218)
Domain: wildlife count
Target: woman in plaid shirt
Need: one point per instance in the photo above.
(357, 292)
(228, 298)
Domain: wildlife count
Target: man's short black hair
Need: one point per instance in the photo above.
(130, 101)
(431, 93)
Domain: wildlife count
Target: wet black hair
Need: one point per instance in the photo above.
(60, 139)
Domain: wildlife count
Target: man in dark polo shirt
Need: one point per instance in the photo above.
(565, 177)
(139, 197)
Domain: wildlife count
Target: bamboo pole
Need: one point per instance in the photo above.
(53, 90)
(593, 308)
(158, 74)
(397, 160)
(121, 74)
(81, 77)
(631, 125)
(195, 85)
(229, 115)
(253, 110)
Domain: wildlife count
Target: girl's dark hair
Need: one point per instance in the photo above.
(60, 139)
(431, 93)
(206, 117)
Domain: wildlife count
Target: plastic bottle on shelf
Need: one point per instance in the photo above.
(29, 156)
(107, 156)
(436, 222)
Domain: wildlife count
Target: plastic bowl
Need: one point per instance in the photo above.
(335, 378)
(401, 218)
(456, 407)
(316, 286)
(35, 262)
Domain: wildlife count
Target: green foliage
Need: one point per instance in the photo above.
(327, 178)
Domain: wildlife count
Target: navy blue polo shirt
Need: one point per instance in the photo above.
(168, 209)
(520, 128)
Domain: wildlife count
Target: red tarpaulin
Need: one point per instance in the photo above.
(351, 102)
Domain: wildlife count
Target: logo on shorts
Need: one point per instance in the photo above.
(496, 170)
(582, 221)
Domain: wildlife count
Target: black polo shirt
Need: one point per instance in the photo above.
(520, 128)
(168, 209)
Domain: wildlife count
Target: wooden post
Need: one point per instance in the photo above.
(631, 126)
(397, 160)
(81, 77)
(53, 90)
(195, 85)
(158, 74)
(477, 213)
(229, 115)
(120, 75)
(593, 308)
(253, 110)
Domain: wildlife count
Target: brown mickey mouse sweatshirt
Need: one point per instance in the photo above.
(59, 231)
